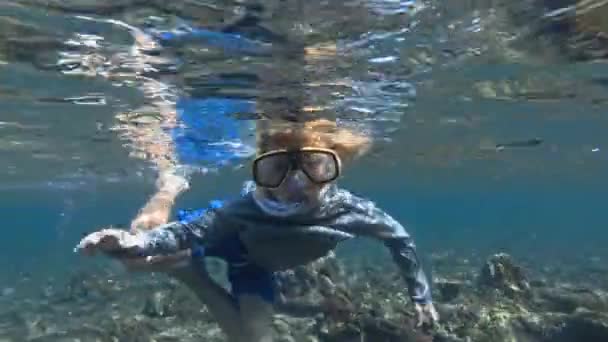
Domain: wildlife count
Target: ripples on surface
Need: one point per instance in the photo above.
(447, 84)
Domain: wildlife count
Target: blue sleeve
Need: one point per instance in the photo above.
(179, 235)
(187, 231)
(230, 42)
(205, 227)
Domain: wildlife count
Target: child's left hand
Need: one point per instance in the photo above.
(427, 314)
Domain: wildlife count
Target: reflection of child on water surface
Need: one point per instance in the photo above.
(203, 131)
(291, 215)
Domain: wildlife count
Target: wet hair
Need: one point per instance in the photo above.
(323, 133)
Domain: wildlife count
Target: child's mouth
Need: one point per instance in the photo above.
(287, 197)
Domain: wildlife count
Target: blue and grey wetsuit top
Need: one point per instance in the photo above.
(243, 233)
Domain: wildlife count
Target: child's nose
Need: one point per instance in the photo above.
(296, 180)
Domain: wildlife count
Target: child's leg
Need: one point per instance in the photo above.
(219, 302)
(254, 288)
(245, 314)
(256, 318)
(249, 320)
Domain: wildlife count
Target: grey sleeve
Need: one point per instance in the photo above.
(363, 218)
(175, 236)
(404, 254)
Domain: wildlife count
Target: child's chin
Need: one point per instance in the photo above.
(301, 198)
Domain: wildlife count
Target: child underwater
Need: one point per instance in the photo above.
(290, 215)
(293, 213)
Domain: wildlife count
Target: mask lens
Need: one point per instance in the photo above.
(269, 171)
(321, 167)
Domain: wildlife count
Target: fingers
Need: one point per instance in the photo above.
(128, 248)
(110, 241)
(419, 315)
(434, 314)
(105, 238)
(426, 314)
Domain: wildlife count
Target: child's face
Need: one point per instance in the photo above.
(296, 173)
(296, 164)
(297, 188)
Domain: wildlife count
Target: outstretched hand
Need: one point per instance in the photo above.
(426, 314)
(130, 249)
(112, 241)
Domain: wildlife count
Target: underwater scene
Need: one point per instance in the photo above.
(304, 170)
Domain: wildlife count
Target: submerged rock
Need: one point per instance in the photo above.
(7, 291)
(568, 299)
(449, 289)
(136, 329)
(501, 273)
(158, 305)
(364, 303)
(583, 325)
(369, 328)
(12, 323)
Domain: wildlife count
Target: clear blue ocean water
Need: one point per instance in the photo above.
(454, 94)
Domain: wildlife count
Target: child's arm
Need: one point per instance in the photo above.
(229, 42)
(361, 217)
(404, 254)
(162, 249)
(176, 236)
(403, 251)
(148, 246)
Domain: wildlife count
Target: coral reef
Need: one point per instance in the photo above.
(495, 300)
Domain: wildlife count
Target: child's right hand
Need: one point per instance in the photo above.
(129, 248)
(113, 242)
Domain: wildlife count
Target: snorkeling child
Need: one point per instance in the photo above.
(293, 213)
